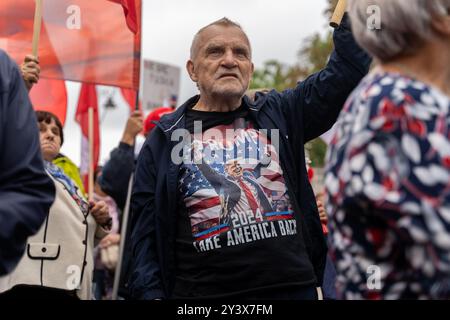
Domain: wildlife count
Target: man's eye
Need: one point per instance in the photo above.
(242, 54)
(215, 52)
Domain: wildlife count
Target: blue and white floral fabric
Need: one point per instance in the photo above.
(388, 190)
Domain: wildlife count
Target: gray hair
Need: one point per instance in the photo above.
(224, 22)
(405, 25)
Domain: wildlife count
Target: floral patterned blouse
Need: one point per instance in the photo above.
(388, 191)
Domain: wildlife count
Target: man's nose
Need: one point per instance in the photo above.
(229, 60)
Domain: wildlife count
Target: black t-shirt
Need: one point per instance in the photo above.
(213, 119)
(237, 230)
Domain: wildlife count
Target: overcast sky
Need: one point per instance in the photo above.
(276, 29)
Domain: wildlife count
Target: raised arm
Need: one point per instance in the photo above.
(318, 100)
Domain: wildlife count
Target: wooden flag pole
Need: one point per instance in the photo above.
(136, 102)
(123, 238)
(37, 27)
(124, 225)
(338, 13)
(91, 154)
(124, 235)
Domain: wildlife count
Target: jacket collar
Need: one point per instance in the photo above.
(176, 120)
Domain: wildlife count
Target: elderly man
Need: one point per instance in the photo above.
(26, 191)
(181, 249)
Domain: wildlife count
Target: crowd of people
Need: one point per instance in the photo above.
(221, 202)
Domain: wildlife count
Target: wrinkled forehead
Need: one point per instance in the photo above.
(217, 35)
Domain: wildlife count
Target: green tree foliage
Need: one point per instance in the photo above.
(317, 151)
(274, 75)
(315, 53)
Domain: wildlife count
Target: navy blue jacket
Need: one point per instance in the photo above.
(117, 172)
(26, 191)
(301, 114)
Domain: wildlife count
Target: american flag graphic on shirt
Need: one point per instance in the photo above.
(238, 175)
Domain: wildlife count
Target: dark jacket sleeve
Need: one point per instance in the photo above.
(26, 191)
(117, 172)
(318, 100)
(145, 279)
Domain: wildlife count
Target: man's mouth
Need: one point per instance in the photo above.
(228, 75)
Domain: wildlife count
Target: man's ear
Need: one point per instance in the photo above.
(191, 70)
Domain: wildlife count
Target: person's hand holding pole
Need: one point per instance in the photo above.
(134, 126)
(30, 71)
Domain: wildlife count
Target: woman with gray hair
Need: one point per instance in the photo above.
(388, 174)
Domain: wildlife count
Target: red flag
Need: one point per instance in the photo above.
(130, 97)
(129, 8)
(50, 95)
(87, 99)
(81, 40)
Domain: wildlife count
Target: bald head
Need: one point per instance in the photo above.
(221, 64)
(224, 22)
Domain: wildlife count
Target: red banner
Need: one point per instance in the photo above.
(130, 97)
(129, 8)
(88, 99)
(81, 40)
(50, 95)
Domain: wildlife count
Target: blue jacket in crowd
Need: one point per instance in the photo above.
(301, 114)
(117, 172)
(26, 191)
